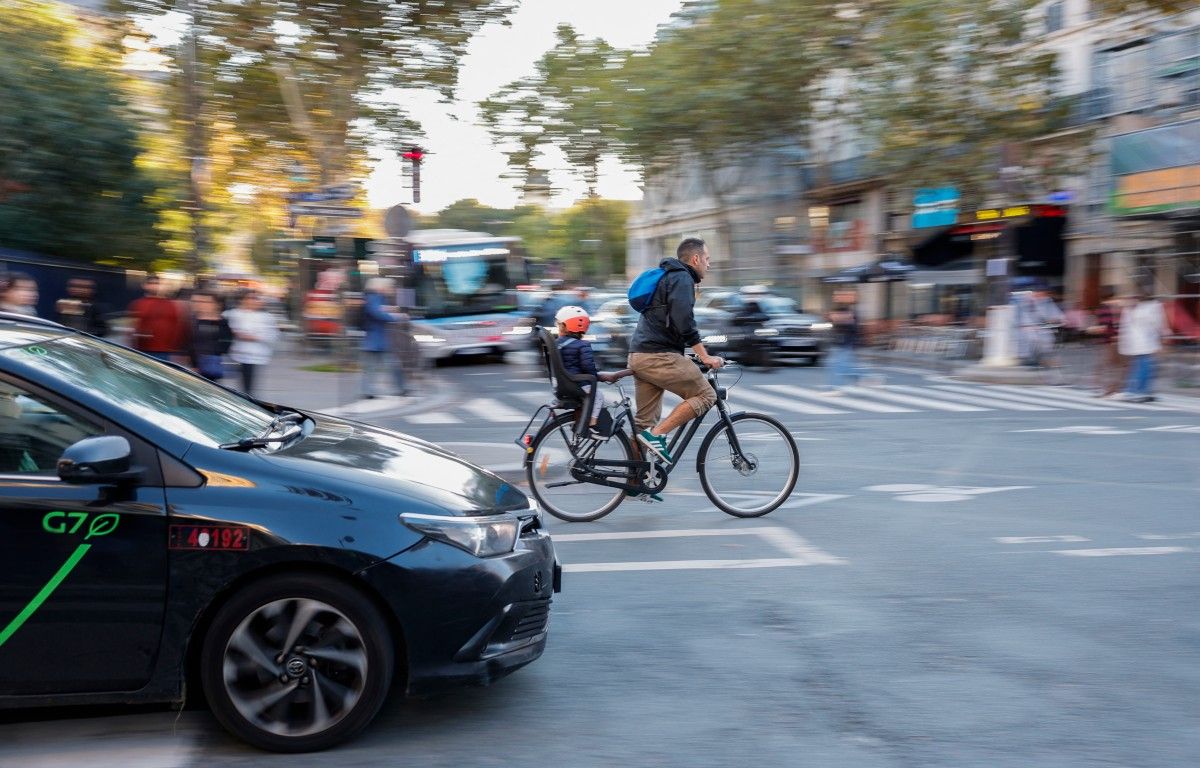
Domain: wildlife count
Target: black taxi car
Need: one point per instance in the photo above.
(158, 531)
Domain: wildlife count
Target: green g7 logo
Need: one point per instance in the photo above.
(71, 522)
(59, 522)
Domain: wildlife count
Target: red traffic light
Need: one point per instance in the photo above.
(414, 153)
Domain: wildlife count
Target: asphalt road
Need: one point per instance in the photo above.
(965, 577)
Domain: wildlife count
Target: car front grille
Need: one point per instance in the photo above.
(527, 619)
(796, 330)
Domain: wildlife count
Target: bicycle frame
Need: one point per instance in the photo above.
(587, 466)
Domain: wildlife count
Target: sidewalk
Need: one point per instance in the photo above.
(288, 381)
(1180, 377)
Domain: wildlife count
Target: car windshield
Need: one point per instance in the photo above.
(775, 305)
(187, 405)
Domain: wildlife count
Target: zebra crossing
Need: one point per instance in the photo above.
(517, 405)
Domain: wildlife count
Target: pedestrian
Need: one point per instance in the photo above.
(1110, 365)
(1143, 326)
(377, 347)
(19, 294)
(79, 309)
(158, 327)
(210, 337)
(845, 335)
(254, 336)
(666, 327)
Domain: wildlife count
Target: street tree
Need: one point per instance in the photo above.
(950, 93)
(70, 183)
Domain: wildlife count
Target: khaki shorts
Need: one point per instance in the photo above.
(659, 371)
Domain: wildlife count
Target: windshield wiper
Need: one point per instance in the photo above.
(266, 438)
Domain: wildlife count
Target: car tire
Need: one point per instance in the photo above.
(326, 690)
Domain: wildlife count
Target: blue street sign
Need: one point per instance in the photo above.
(935, 207)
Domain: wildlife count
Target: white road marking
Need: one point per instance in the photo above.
(985, 397)
(1173, 428)
(1039, 539)
(1055, 396)
(1033, 398)
(800, 550)
(681, 565)
(1180, 402)
(490, 409)
(761, 400)
(433, 417)
(534, 398)
(885, 393)
(975, 399)
(1077, 396)
(1167, 536)
(1080, 430)
(1120, 551)
(935, 493)
(848, 402)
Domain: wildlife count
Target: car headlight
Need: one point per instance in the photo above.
(597, 337)
(766, 331)
(425, 338)
(519, 330)
(716, 339)
(482, 536)
(822, 326)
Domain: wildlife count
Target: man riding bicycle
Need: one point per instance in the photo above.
(656, 350)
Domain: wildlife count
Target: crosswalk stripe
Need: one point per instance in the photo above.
(977, 396)
(492, 410)
(1058, 393)
(433, 417)
(885, 393)
(1042, 398)
(849, 402)
(754, 397)
(1180, 402)
(540, 397)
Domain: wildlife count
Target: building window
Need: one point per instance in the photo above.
(1054, 17)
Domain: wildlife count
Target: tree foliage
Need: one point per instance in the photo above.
(324, 76)
(947, 92)
(69, 181)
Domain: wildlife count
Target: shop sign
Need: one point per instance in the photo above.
(935, 207)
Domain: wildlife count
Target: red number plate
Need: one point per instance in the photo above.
(212, 537)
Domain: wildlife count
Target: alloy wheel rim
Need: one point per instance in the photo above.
(295, 667)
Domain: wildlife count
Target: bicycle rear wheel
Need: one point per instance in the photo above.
(758, 478)
(548, 470)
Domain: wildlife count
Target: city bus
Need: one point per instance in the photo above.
(461, 290)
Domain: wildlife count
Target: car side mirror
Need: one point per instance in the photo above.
(104, 459)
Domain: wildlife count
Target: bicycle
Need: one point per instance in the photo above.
(579, 476)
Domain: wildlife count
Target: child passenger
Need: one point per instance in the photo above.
(576, 353)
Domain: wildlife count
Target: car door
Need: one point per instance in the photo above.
(82, 566)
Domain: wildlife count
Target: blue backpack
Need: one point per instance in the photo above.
(644, 286)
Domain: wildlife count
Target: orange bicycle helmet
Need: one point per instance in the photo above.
(574, 319)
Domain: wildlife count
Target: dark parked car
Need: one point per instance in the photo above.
(161, 532)
(790, 333)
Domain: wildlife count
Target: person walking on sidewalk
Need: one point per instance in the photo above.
(210, 337)
(1110, 367)
(158, 328)
(843, 363)
(377, 347)
(1143, 327)
(254, 336)
(664, 330)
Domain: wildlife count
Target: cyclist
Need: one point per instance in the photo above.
(665, 329)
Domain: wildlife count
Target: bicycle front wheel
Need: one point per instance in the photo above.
(757, 475)
(548, 471)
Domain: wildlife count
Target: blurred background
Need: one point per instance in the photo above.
(926, 154)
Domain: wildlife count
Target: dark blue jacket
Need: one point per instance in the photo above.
(576, 355)
(375, 323)
(669, 323)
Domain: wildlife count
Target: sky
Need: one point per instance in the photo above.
(463, 162)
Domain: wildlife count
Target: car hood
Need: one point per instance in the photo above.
(398, 463)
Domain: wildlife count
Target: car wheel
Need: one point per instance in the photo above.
(296, 663)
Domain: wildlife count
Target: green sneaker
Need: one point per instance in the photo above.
(646, 497)
(657, 444)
